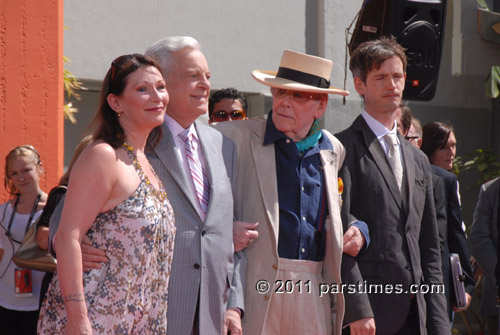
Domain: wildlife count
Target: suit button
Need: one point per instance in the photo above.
(202, 233)
(275, 267)
(408, 267)
(196, 265)
(266, 298)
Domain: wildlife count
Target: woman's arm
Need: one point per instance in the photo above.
(92, 182)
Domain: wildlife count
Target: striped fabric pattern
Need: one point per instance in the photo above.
(198, 174)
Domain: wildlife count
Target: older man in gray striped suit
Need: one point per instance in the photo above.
(206, 291)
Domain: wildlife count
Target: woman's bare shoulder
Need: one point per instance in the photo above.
(97, 160)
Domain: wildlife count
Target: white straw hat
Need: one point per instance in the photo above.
(300, 72)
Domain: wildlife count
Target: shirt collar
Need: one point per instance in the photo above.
(273, 135)
(176, 128)
(378, 128)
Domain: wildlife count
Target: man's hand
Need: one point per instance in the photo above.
(243, 234)
(92, 258)
(363, 327)
(468, 299)
(353, 241)
(232, 323)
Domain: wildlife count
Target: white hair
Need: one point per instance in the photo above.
(162, 50)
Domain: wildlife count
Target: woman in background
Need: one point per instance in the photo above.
(117, 201)
(439, 144)
(19, 288)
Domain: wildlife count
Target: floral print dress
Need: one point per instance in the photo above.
(128, 295)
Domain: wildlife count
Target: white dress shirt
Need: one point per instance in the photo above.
(380, 131)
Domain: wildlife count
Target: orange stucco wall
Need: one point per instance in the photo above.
(31, 86)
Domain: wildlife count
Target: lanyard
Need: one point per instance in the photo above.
(33, 210)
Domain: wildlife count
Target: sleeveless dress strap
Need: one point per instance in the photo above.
(161, 193)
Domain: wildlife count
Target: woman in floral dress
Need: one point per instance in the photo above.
(115, 199)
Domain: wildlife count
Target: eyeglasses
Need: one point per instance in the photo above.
(120, 61)
(299, 96)
(412, 138)
(222, 115)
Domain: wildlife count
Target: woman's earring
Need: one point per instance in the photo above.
(120, 114)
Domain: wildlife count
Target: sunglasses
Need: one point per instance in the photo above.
(298, 96)
(121, 61)
(221, 115)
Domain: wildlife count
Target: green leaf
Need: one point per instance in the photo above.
(482, 167)
(482, 4)
(492, 85)
(71, 86)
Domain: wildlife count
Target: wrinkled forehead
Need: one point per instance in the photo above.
(188, 59)
(413, 132)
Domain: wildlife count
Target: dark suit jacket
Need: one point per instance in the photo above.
(404, 246)
(483, 239)
(452, 235)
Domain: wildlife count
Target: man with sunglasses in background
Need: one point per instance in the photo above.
(227, 104)
(286, 179)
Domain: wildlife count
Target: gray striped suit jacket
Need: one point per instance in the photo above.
(202, 266)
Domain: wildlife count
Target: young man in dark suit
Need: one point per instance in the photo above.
(388, 184)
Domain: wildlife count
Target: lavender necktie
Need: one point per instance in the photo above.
(198, 174)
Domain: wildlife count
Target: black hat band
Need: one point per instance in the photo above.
(302, 77)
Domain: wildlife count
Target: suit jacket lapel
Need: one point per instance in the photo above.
(264, 159)
(329, 161)
(166, 152)
(409, 164)
(378, 154)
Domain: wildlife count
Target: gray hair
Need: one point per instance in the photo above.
(162, 50)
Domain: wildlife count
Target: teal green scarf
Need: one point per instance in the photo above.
(312, 138)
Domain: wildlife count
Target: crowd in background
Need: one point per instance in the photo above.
(249, 203)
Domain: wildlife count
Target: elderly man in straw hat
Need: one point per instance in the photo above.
(286, 179)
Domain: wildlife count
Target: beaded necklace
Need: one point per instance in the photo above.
(160, 192)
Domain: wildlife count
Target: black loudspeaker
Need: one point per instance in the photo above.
(418, 25)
